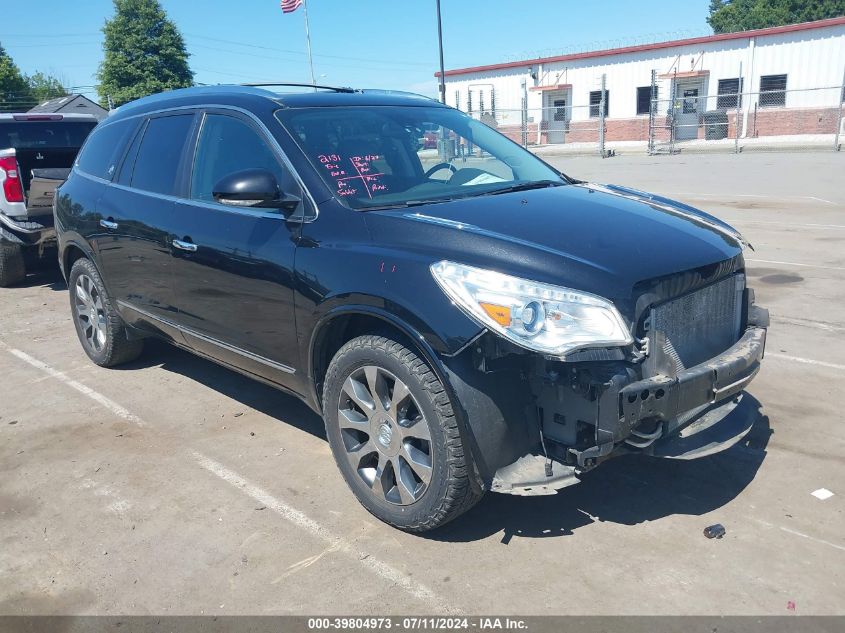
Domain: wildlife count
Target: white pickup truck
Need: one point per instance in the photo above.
(37, 152)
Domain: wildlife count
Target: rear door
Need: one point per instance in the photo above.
(136, 221)
(234, 283)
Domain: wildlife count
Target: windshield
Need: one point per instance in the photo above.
(385, 156)
(43, 134)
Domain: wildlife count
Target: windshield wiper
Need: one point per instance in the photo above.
(525, 186)
(404, 204)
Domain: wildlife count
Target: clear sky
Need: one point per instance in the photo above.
(363, 43)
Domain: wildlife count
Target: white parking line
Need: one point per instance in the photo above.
(96, 396)
(805, 361)
(772, 261)
(788, 224)
(301, 520)
(801, 534)
(819, 325)
(747, 195)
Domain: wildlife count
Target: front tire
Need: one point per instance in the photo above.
(393, 432)
(99, 327)
(12, 266)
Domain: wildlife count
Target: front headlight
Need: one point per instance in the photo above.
(540, 317)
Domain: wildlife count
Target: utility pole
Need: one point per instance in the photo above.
(440, 44)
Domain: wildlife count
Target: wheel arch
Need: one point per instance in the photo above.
(73, 249)
(342, 324)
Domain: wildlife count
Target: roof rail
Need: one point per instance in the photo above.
(295, 85)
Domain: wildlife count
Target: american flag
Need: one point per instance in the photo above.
(289, 6)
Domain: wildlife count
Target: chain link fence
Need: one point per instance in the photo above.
(676, 114)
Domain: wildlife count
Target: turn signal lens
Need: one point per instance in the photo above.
(500, 314)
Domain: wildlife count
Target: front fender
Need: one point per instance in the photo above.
(427, 342)
(493, 410)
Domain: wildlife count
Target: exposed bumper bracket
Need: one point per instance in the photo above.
(718, 379)
(527, 477)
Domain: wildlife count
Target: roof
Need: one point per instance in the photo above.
(70, 103)
(261, 97)
(721, 37)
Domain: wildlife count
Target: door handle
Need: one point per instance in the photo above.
(185, 246)
(108, 224)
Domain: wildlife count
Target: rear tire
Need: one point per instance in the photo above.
(12, 267)
(393, 432)
(101, 331)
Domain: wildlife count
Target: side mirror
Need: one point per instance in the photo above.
(253, 188)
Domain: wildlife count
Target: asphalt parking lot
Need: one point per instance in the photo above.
(173, 486)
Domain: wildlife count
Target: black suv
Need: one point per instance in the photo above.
(464, 318)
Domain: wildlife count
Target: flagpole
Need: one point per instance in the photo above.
(308, 41)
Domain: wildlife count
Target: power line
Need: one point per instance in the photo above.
(379, 63)
(284, 50)
(298, 61)
(42, 36)
(56, 44)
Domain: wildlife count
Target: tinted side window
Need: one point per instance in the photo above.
(227, 145)
(158, 158)
(125, 175)
(100, 155)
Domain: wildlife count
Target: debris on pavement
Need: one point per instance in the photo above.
(714, 531)
(822, 494)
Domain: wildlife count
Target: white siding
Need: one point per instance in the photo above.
(811, 58)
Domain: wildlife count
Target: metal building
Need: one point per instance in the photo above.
(784, 80)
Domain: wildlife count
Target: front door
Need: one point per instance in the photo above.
(689, 103)
(233, 266)
(555, 115)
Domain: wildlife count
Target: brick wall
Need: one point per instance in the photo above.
(787, 121)
(769, 122)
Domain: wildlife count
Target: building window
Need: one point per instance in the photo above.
(730, 96)
(559, 113)
(644, 99)
(595, 102)
(772, 91)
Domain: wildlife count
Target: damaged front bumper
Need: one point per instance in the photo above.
(579, 414)
(677, 403)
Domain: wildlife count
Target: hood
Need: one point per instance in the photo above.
(599, 238)
(630, 235)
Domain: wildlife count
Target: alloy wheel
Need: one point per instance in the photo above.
(90, 313)
(385, 435)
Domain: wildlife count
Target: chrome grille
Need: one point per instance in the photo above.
(700, 325)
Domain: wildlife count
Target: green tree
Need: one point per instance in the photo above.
(14, 91)
(144, 53)
(728, 16)
(43, 87)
